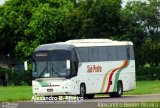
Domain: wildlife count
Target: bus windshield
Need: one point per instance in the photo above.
(48, 64)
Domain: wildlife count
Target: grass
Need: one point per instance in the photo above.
(145, 87)
(20, 93)
(15, 93)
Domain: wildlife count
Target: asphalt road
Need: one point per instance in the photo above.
(90, 103)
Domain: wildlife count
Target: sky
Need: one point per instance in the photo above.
(1, 2)
(124, 1)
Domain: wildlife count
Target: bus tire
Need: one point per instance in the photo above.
(119, 90)
(90, 96)
(83, 91)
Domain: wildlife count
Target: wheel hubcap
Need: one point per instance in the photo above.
(119, 90)
(82, 91)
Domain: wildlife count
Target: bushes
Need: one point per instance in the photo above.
(148, 73)
(17, 77)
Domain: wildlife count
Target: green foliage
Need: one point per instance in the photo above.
(151, 52)
(25, 24)
(148, 73)
(17, 77)
(142, 26)
(94, 19)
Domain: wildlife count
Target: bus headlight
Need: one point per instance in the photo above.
(35, 84)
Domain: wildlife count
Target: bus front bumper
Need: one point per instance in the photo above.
(51, 91)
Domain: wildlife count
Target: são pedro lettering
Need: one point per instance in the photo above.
(94, 68)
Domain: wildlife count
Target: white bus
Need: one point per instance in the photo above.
(84, 67)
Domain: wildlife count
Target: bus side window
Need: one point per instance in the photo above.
(73, 68)
(131, 51)
(128, 53)
(84, 54)
(93, 54)
(122, 53)
(103, 54)
(113, 53)
(74, 64)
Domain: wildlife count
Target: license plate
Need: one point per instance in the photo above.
(49, 90)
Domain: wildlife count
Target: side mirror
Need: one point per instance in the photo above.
(25, 65)
(68, 64)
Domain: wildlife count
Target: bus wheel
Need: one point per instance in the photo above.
(83, 91)
(119, 91)
(90, 96)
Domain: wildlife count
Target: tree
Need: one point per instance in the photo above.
(94, 19)
(141, 25)
(29, 23)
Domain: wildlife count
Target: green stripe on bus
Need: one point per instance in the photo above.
(117, 77)
(43, 83)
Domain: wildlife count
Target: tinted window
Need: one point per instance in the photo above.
(131, 50)
(84, 54)
(106, 53)
(122, 52)
(93, 54)
(113, 54)
(55, 55)
(103, 54)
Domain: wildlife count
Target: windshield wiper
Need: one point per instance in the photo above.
(42, 72)
(53, 69)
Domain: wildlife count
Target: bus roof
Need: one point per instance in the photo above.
(70, 44)
(54, 46)
(97, 42)
(90, 41)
